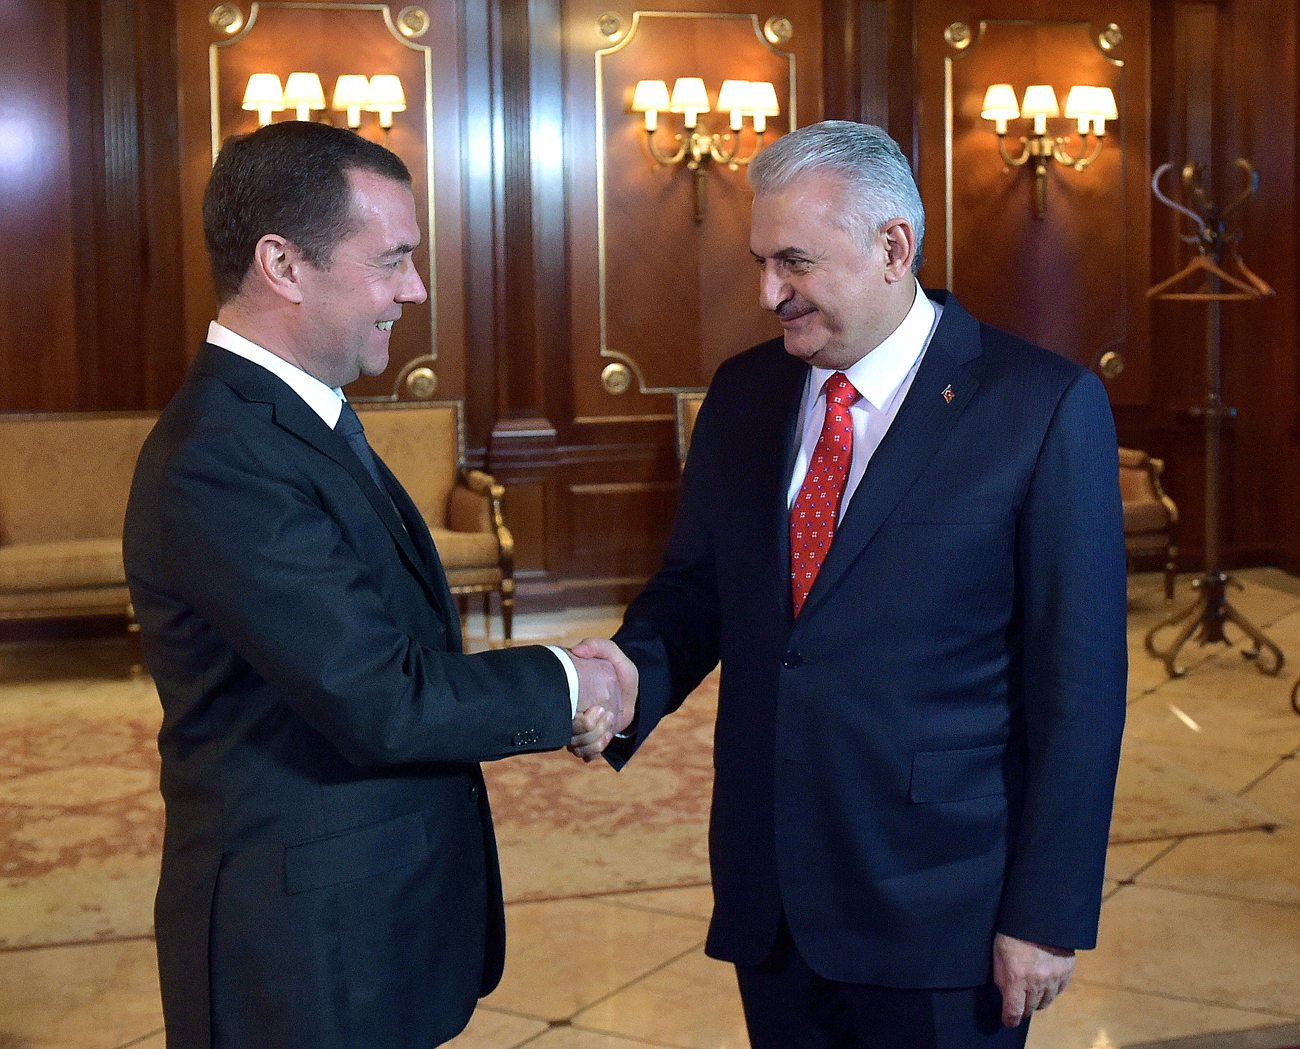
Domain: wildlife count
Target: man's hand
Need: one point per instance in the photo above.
(600, 702)
(623, 709)
(1029, 975)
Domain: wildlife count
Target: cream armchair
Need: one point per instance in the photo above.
(423, 443)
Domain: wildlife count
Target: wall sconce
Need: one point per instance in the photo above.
(1091, 106)
(265, 95)
(303, 92)
(698, 147)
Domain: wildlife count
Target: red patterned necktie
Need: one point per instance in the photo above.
(812, 518)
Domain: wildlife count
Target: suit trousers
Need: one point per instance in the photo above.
(789, 1006)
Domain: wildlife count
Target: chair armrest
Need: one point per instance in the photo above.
(474, 505)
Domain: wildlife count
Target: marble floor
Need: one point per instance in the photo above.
(1200, 931)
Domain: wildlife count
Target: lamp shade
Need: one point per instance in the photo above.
(304, 92)
(265, 95)
(1104, 101)
(1040, 100)
(1080, 102)
(1000, 102)
(351, 92)
(386, 98)
(762, 103)
(689, 93)
(650, 95)
(734, 94)
(762, 99)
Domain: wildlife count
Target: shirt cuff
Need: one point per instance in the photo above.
(570, 672)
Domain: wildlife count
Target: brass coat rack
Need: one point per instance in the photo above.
(1211, 609)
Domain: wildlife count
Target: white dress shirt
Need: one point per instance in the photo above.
(327, 402)
(882, 378)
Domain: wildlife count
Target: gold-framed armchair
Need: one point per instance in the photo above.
(686, 407)
(423, 443)
(1149, 514)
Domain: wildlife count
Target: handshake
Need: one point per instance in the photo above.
(607, 690)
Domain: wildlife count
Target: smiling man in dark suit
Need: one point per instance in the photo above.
(899, 531)
(329, 873)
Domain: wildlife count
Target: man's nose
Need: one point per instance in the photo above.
(413, 289)
(773, 289)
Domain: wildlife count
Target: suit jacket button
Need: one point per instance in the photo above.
(792, 660)
(525, 738)
(473, 792)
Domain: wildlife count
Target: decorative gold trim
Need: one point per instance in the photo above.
(601, 261)
(616, 378)
(778, 29)
(610, 24)
(1111, 363)
(958, 35)
(413, 22)
(426, 54)
(1110, 38)
(226, 18)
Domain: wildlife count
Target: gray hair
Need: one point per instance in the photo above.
(873, 169)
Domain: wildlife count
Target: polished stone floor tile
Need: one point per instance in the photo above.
(490, 1029)
(573, 1038)
(693, 901)
(1209, 949)
(563, 955)
(1124, 860)
(1088, 1016)
(1252, 865)
(1279, 791)
(1223, 706)
(692, 1003)
(92, 996)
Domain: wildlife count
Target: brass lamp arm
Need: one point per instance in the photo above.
(1026, 151)
(665, 159)
(1084, 158)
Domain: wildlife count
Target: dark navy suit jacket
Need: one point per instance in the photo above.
(927, 755)
(329, 874)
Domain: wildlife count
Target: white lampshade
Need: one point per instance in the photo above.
(733, 98)
(1040, 103)
(650, 98)
(762, 103)
(1080, 104)
(351, 92)
(265, 95)
(1000, 102)
(303, 91)
(689, 98)
(650, 94)
(386, 98)
(1040, 99)
(1104, 101)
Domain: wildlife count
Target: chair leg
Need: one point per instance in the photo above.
(507, 610)
(487, 613)
(1171, 571)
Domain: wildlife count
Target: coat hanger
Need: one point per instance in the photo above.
(1210, 240)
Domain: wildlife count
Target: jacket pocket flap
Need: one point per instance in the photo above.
(957, 775)
(355, 854)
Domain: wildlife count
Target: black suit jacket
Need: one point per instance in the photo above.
(329, 873)
(927, 755)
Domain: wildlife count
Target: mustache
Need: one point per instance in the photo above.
(792, 309)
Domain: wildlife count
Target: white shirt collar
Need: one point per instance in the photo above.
(325, 401)
(878, 374)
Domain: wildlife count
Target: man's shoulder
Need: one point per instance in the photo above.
(766, 361)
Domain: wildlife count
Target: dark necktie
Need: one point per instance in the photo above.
(350, 428)
(812, 518)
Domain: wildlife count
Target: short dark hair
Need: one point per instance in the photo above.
(290, 179)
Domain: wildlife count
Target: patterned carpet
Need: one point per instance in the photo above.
(81, 821)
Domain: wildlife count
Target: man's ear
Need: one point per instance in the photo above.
(900, 249)
(278, 266)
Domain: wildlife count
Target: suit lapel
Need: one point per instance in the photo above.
(944, 384)
(291, 413)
